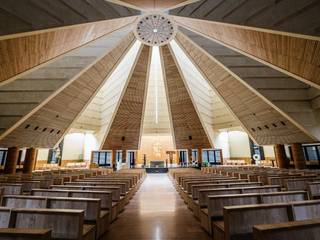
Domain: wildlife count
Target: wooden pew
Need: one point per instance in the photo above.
(239, 220)
(65, 224)
(306, 210)
(12, 188)
(91, 206)
(216, 203)
(114, 189)
(24, 234)
(5, 214)
(314, 190)
(104, 196)
(297, 230)
(277, 197)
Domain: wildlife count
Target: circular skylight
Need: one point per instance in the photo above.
(155, 29)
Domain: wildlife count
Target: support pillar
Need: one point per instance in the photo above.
(199, 157)
(30, 160)
(280, 155)
(298, 156)
(124, 156)
(189, 156)
(114, 160)
(12, 159)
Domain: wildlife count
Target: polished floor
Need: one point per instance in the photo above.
(156, 213)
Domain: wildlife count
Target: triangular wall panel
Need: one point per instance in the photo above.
(126, 127)
(187, 127)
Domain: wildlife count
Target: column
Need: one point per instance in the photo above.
(298, 156)
(12, 159)
(114, 160)
(189, 156)
(30, 160)
(280, 155)
(199, 157)
(124, 156)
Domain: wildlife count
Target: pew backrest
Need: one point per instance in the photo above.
(65, 224)
(4, 217)
(22, 201)
(282, 197)
(217, 203)
(239, 220)
(313, 190)
(306, 210)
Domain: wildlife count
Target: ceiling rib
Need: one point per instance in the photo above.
(261, 121)
(125, 130)
(47, 124)
(294, 54)
(187, 128)
(28, 51)
(153, 5)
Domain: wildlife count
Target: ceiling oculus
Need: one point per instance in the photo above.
(155, 29)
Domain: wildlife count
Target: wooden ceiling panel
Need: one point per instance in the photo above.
(25, 51)
(285, 15)
(186, 125)
(262, 122)
(125, 130)
(293, 54)
(47, 124)
(154, 5)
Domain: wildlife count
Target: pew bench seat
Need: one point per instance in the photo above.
(297, 230)
(24, 234)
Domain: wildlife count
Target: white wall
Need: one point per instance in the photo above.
(78, 146)
(73, 146)
(221, 141)
(239, 144)
(268, 151)
(91, 143)
(43, 154)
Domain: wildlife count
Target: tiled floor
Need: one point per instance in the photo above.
(156, 213)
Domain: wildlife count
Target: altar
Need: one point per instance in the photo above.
(157, 166)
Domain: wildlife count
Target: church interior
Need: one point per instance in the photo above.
(160, 119)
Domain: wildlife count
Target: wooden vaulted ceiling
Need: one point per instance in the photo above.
(47, 124)
(296, 55)
(21, 96)
(264, 123)
(261, 59)
(186, 125)
(126, 127)
(39, 47)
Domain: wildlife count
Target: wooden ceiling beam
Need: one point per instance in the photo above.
(24, 52)
(47, 124)
(126, 127)
(187, 128)
(153, 5)
(262, 122)
(293, 54)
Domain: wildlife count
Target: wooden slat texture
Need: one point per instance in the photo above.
(21, 52)
(52, 119)
(285, 15)
(262, 122)
(31, 15)
(152, 5)
(125, 130)
(294, 54)
(187, 128)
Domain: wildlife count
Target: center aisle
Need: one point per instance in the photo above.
(156, 213)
